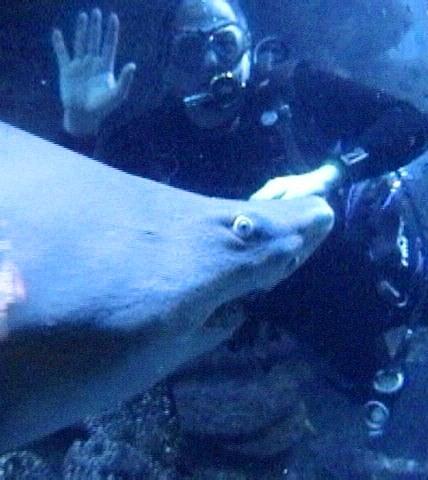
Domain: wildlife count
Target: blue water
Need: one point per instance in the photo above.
(270, 403)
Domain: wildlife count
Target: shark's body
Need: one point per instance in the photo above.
(118, 276)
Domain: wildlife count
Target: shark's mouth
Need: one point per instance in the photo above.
(234, 314)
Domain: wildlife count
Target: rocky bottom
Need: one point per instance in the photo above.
(240, 414)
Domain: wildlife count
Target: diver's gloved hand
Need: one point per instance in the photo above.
(89, 90)
(316, 182)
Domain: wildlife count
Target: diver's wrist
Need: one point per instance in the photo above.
(79, 123)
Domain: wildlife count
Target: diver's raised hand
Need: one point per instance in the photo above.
(316, 182)
(88, 87)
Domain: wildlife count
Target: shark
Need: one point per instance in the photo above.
(109, 282)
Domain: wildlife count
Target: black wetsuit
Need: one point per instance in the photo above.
(235, 160)
(332, 301)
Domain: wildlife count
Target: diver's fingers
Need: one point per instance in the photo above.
(273, 189)
(94, 32)
(108, 53)
(81, 35)
(124, 82)
(61, 52)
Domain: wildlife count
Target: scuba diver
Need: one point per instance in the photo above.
(230, 117)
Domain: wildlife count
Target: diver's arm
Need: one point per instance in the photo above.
(89, 90)
(376, 133)
(390, 132)
(316, 182)
(395, 139)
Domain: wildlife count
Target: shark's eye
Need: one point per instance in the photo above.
(243, 226)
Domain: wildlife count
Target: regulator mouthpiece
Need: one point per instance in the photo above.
(224, 90)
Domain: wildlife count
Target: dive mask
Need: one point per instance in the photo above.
(228, 42)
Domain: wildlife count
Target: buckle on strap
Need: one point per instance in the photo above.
(388, 292)
(353, 157)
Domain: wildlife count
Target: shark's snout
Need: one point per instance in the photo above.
(313, 220)
(306, 222)
(318, 216)
(289, 231)
(309, 217)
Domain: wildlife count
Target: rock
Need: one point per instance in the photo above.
(24, 466)
(246, 404)
(147, 423)
(100, 458)
(277, 439)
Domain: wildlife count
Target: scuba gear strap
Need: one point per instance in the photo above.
(402, 283)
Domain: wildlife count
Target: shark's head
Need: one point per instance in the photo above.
(128, 250)
(202, 253)
(121, 275)
(248, 246)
